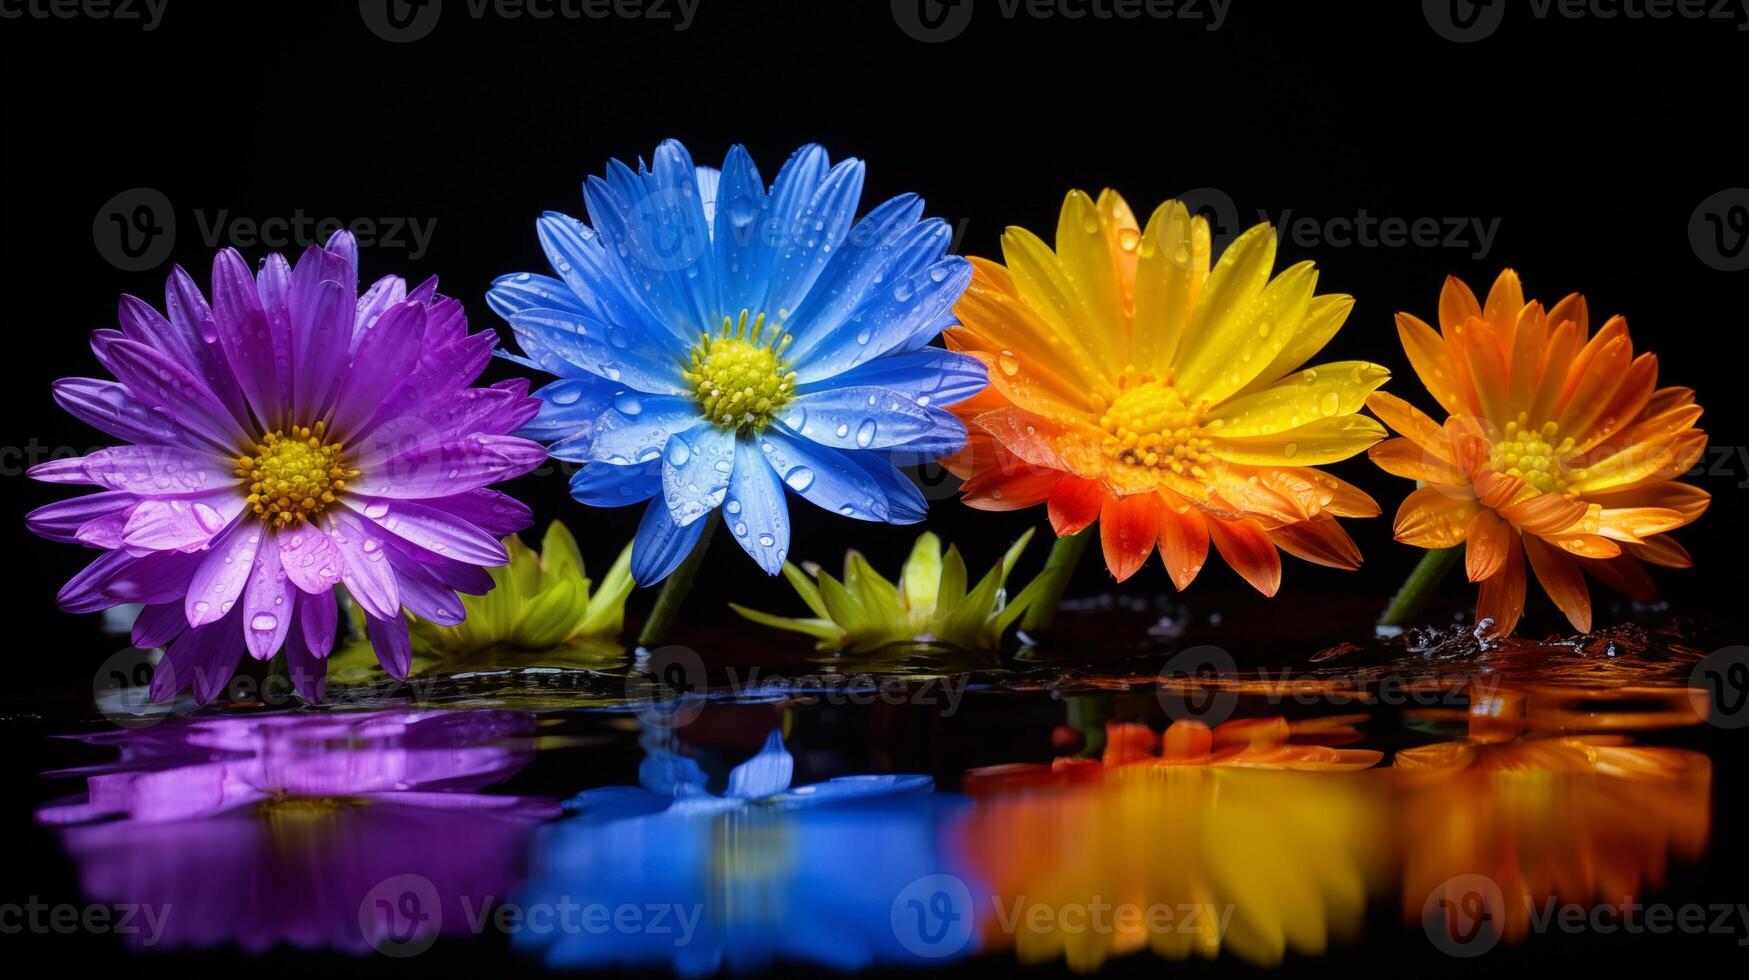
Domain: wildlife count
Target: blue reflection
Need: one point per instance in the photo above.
(848, 873)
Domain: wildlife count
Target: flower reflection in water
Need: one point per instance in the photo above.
(1587, 818)
(277, 828)
(1235, 838)
(761, 873)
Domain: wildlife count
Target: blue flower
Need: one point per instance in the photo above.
(718, 343)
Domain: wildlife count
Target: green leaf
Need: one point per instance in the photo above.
(920, 579)
(1016, 607)
(606, 614)
(965, 622)
(559, 557)
(805, 588)
(953, 582)
(879, 597)
(843, 608)
(550, 618)
(821, 629)
(1013, 554)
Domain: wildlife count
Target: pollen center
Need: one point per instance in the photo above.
(1535, 454)
(738, 375)
(293, 474)
(1150, 424)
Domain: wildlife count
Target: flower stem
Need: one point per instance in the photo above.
(673, 595)
(1419, 586)
(1060, 566)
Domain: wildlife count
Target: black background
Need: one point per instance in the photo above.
(1592, 141)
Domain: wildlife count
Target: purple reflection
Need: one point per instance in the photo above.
(296, 828)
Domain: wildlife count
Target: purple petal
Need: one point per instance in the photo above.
(83, 592)
(69, 470)
(442, 371)
(433, 530)
(368, 575)
(158, 625)
(205, 657)
(386, 356)
(196, 341)
(426, 597)
(267, 602)
(181, 524)
(107, 532)
(160, 471)
(388, 637)
(161, 576)
(310, 559)
(110, 408)
(223, 572)
(498, 514)
(321, 303)
(318, 619)
(309, 672)
(384, 294)
(61, 520)
(163, 385)
(450, 467)
(244, 337)
(273, 283)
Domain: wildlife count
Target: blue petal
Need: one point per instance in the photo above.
(822, 476)
(930, 375)
(708, 180)
(652, 246)
(819, 230)
(566, 343)
(636, 428)
(735, 229)
(766, 774)
(904, 308)
(661, 545)
(861, 417)
(779, 221)
(881, 236)
(695, 471)
(567, 406)
(905, 501)
(527, 291)
(607, 485)
(755, 510)
(593, 277)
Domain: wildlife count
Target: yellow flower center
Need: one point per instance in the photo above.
(738, 375)
(1150, 424)
(292, 477)
(1535, 454)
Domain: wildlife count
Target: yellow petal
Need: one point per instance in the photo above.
(1084, 257)
(1172, 264)
(1046, 291)
(1433, 518)
(1338, 388)
(1316, 443)
(1236, 281)
(1249, 342)
(1324, 316)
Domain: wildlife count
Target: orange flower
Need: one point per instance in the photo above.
(1133, 385)
(1554, 438)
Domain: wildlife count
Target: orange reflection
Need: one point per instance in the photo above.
(1578, 818)
(1196, 841)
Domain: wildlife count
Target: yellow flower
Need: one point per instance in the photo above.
(1132, 384)
(1554, 439)
(930, 604)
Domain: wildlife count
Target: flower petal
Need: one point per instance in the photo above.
(822, 476)
(1184, 542)
(1487, 541)
(1129, 528)
(1434, 518)
(311, 560)
(1074, 504)
(393, 646)
(1247, 548)
(696, 467)
(660, 545)
(223, 571)
(268, 602)
(755, 511)
(369, 576)
(1501, 597)
(1559, 574)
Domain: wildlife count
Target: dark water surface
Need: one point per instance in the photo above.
(1431, 802)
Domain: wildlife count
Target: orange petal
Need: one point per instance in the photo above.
(1432, 517)
(1247, 548)
(1623, 574)
(1689, 501)
(1320, 540)
(1403, 457)
(1075, 503)
(1501, 597)
(1409, 422)
(1050, 443)
(1184, 543)
(1634, 523)
(1432, 362)
(1456, 303)
(1661, 550)
(1505, 300)
(1489, 540)
(1584, 545)
(1546, 514)
(997, 491)
(1559, 574)
(1128, 529)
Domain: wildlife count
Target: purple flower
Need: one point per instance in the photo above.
(295, 828)
(288, 437)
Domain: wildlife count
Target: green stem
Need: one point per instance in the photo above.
(1419, 586)
(673, 595)
(1088, 714)
(1060, 566)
